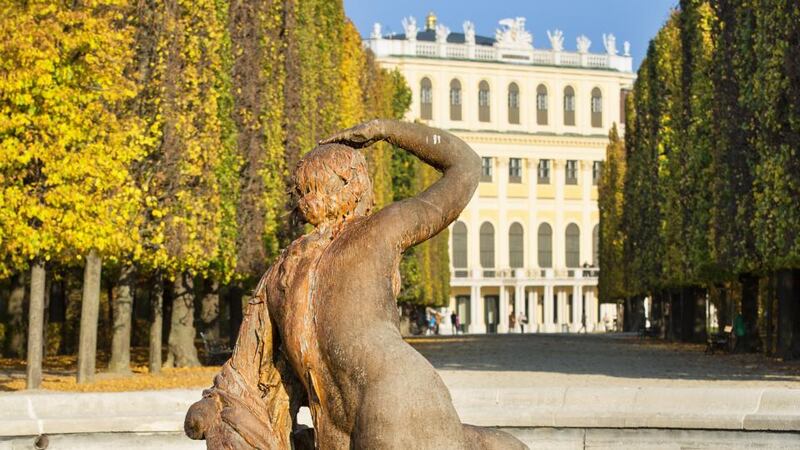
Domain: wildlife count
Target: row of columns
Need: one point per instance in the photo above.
(527, 301)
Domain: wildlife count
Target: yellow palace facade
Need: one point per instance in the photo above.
(524, 251)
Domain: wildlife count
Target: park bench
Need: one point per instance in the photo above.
(217, 352)
(720, 341)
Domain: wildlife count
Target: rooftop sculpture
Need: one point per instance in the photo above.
(322, 328)
(511, 43)
(512, 34)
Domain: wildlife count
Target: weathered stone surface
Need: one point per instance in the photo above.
(322, 328)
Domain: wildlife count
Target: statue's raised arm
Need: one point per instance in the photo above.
(419, 218)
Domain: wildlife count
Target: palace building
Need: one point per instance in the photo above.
(539, 118)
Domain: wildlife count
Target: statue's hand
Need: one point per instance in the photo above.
(359, 136)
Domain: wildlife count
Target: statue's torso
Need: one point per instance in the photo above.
(320, 292)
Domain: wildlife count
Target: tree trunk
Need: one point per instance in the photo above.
(795, 344)
(769, 346)
(121, 335)
(209, 310)
(788, 314)
(16, 318)
(233, 299)
(700, 330)
(157, 311)
(752, 340)
(35, 326)
(723, 316)
(182, 352)
(90, 309)
(48, 293)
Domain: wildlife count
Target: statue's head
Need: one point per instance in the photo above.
(332, 184)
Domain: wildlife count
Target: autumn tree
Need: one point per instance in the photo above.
(611, 205)
(65, 122)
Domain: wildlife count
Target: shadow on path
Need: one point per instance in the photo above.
(614, 355)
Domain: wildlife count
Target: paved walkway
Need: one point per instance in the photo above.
(612, 360)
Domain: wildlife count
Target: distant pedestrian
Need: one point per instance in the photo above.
(583, 324)
(523, 320)
(512, 322)
(454, 322)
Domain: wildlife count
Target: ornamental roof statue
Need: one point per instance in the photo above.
(610, 43)
(410, 27)
(583, 44)
(556, 40)
(469, 32)
(441, 33)
(512, 35)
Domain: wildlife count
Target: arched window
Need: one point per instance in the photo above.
(516, 246)
(597, 108)
(459, 245)
(541, 105)
(455, 100)
(573, 245)
(596, 246)
(569, 106)
(426, 99)
(484, 114)
(513, 103)
(545, 243)
(487, 245)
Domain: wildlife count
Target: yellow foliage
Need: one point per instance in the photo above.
(67, 144)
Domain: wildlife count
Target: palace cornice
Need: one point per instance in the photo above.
(561, 140)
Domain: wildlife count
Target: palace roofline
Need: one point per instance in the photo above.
(512, 44)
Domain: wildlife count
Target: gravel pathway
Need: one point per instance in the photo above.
(619, 360)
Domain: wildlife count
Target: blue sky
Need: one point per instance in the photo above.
(636, 21)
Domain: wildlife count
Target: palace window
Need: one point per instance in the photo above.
(426, 99)
(569, 106)
(459, 245)
(486, 169)
(487, 246)
(597, 169)
(545, 245)
(597, 108)
(543, 172)
(572, 245)
(572, 172)
(484, 111)
(515, 170)
(455, 100)
(513, 103)
(541, 105)
(516, 246)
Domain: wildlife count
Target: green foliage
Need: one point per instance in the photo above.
(611, 204)
(712, 148)
(773, 95)
(163, 133)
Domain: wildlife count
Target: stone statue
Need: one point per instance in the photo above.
(610, 43)
(556, 40)
(583, 44)
(512, 35)
(441, 33)
(376, 31)
(626, 46)
(469, 33)
(322, 328)
(410, 28)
